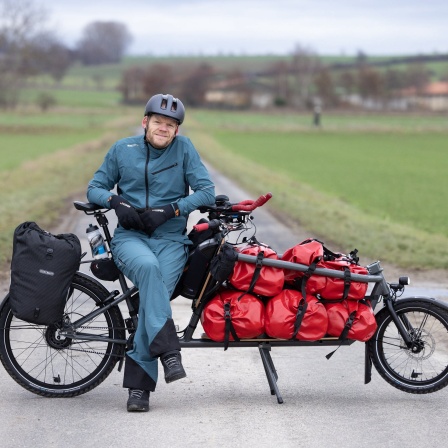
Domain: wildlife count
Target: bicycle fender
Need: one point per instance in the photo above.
(429, 300)
(4, 301)
(93, 280)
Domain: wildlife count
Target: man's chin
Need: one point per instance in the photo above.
(159, 145)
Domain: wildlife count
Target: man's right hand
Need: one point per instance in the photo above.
(126, 214)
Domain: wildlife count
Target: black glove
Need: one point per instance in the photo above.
(127, 215)
(155, 217)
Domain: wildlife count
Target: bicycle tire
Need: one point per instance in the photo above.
(45, 363)
(422, 370)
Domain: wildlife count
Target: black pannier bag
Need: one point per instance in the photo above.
(42, 268)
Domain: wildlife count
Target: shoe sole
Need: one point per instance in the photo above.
(137, 408)
(175, 377)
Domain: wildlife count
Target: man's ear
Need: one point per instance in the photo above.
(177, 130)
(144, 121)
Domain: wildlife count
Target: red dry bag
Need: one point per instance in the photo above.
(231, 316)
(351, 319)
(289, 316)
(331, 288)
(307, 252)
(255, 278)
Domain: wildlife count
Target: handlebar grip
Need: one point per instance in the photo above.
(248, 206)
(201, 227)
(213, 224)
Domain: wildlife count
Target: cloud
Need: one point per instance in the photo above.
(265, 26)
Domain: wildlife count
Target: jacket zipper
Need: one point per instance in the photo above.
(146, 176)
(164, 169)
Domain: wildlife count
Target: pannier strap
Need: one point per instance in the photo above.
(347, 282)
(256, 274)
(307, 274)
(301, 310)
(257, 271)
(348, 325)
(229, 328)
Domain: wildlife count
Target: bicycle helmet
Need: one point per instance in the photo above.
(166, 105)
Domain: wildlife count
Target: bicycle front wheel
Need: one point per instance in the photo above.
(422, 368)
(48, 364)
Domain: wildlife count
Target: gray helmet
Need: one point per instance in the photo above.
(166, 105)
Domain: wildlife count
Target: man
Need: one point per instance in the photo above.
(153, 175)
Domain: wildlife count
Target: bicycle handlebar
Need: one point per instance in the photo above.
(247, 205)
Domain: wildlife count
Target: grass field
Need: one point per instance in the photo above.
(362, 180)
(380, 187)
(45, 158)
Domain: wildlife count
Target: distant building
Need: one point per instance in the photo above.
(433, 97)
(239, 93)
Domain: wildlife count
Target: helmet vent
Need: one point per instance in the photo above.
(174, 106)
(164, 103)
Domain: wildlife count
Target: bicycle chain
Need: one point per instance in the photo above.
(94, 352)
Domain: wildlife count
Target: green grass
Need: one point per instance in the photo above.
(75, 97)
(17, 148)
(382, 192)
(288, 120)
(397, 177)
(45, 158)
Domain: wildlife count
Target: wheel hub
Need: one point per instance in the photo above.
(54, 338)
(422, 347)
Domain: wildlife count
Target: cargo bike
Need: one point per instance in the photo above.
(409, 347)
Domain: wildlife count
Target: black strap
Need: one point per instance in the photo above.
(257, 271)
(348, 325)
(301, 310)
(307, 274)
(228, 328)
(347, 282)
(256, 274)
(329, 255)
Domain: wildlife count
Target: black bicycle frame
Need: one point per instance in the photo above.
(381, 289)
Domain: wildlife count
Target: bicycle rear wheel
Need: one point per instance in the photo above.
(48, 364)
(422, 368)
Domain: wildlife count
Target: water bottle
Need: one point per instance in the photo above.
(96, 242)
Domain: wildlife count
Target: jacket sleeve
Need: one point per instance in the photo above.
(198, 178)
(104, 180)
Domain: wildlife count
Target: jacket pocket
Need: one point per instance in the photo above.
(164, 169)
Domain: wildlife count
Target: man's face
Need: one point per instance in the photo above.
(160, 130)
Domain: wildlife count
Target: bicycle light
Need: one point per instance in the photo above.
(404, 281)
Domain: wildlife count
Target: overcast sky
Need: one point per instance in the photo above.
(184, 27)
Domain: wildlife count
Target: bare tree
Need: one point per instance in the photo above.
(417, 76)
(158, 79)
(103, 43)
(20, 21)
(280, 71)
(194, 86)
(324, 84)
(304, 66)
(347, 81)
(370, 83)
(131, 85)
(26, 48)
(46, 54)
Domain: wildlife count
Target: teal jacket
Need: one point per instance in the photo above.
(148, 177)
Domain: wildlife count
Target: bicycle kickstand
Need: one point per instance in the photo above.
(269, 368)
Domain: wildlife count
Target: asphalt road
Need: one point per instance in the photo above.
(225, 400)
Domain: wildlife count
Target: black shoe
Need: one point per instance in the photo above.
(172, 365)
(138, 400)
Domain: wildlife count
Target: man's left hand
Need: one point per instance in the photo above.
(155, 217)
